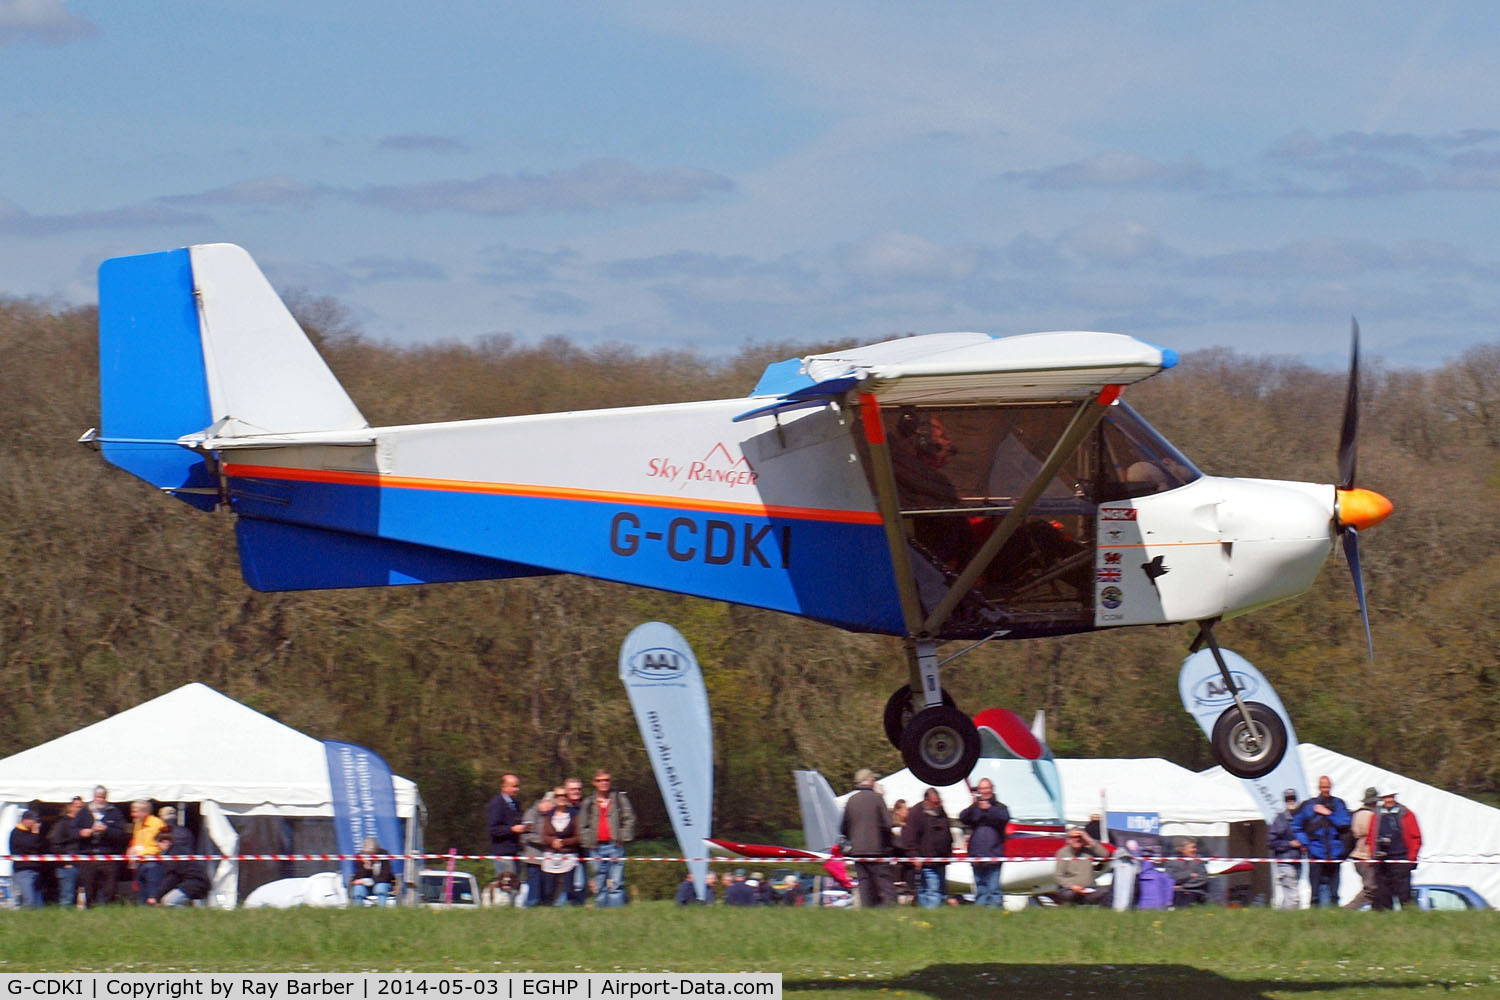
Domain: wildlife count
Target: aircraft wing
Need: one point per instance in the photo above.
(969, 367)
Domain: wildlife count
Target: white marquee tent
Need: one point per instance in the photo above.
(194, 745)
(1452, 826)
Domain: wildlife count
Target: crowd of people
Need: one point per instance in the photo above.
(1314, 836)
(1382, 838)
(565, 848)
(149, 840)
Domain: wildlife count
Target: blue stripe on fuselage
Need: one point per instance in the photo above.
(832, 571)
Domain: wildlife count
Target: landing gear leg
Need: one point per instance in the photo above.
(1249, 739)
(939, 744)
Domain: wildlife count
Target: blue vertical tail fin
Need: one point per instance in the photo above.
(196, 347)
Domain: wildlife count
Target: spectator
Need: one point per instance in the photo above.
(1397, 844)
(143, 830)
(560, 860)
(1189, 876)
(928, 834)
(534, 845)
(1075, 870)
(687, 892)
(986, 819)
(506, 822)
(101, 830)
(1320, 824)
(606, 824)
(373, 876)
(789, 891)
(63, 839)
(867, 827)
(577, 889)
(739, 892)
(182, 881)
(906, 876)
(1287, 850)
(27, 838)
(1362, 824)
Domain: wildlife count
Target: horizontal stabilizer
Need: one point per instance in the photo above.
(278, 556)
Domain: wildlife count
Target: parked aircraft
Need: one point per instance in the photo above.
(942, 487)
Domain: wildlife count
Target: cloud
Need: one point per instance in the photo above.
(1115, 242)
(47, 22)
(373, 270)
(556, 303)
(1373, 164)
(596, 186)
(694, 265)
(506, 265)
(417, 142)
(896, 256)
(1335, 259)
(258, 192)
(1117, 170)
(16, 221)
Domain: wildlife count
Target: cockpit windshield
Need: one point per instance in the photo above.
(1137, 460)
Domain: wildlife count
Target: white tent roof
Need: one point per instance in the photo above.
(1153, 785)
(1452, 826)
(189, 745)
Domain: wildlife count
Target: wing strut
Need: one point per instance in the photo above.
(890, 515)
(1085, 419)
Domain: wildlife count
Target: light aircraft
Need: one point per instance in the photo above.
(953, 486)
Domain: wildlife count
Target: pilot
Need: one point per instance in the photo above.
(920, 448)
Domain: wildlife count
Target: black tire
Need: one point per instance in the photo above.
(1235, 750)
(940, 745)
(898, 713)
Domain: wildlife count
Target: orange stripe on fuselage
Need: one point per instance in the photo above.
(339, 478)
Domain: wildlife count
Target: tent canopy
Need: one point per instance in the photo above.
(189, 745)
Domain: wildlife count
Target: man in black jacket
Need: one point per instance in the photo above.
(928, 834)
(101, 830)
(180, 881)
(505, 819)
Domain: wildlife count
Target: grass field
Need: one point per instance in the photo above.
(837, 955)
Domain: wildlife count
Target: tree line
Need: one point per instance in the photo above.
(112, 594)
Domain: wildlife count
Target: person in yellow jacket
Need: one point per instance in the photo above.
(143, 830)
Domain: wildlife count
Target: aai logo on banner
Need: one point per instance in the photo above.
(1212, 690)
(657, 664)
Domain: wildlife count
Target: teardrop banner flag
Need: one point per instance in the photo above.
(1206, 696)
(364, 801)
(666, 691)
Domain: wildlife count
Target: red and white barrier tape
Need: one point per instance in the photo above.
(1471, 859)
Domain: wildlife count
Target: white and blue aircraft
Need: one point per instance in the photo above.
(954, 486)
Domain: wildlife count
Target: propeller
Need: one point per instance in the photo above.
(1355, 509)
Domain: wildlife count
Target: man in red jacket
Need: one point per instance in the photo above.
(1398, 839)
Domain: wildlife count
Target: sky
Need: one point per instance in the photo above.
(669, 174)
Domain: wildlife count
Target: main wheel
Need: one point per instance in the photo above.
(1243, 753)
(940, 745)
(898, 712)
